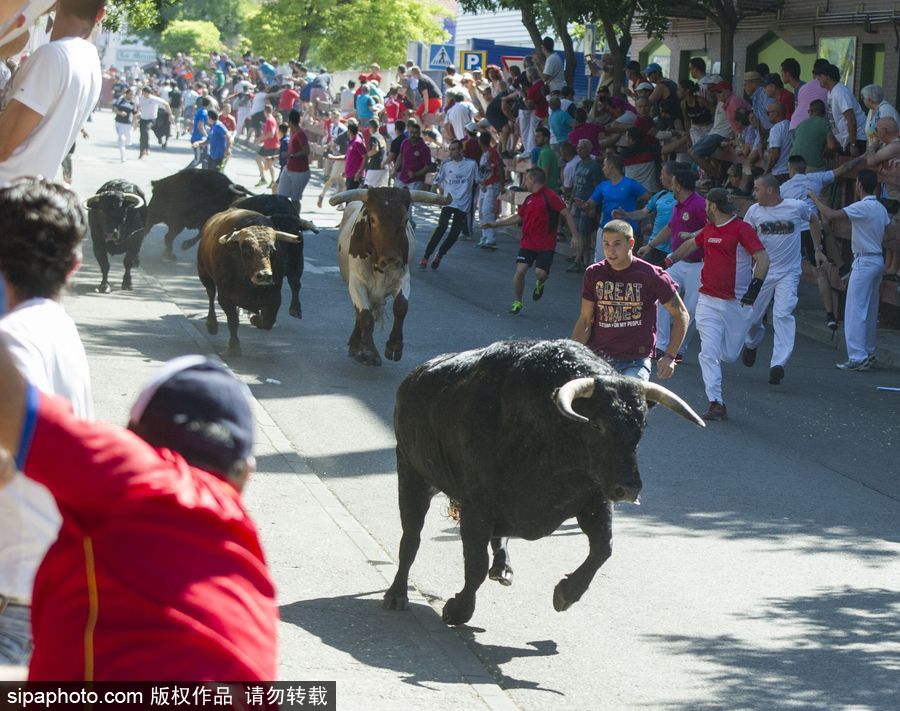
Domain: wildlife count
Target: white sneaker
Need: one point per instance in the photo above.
(858, 365)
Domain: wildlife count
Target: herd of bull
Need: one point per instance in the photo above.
(549, 430)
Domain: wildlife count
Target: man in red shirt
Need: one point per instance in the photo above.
(539, 216)
(355, 157)
(157, 572)
(295, 175)
(287, 98)
(727, 292)
(268, 150)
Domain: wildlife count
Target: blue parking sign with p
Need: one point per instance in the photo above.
(471, 60)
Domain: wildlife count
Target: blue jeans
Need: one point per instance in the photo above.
(15, 635)
(638, 368)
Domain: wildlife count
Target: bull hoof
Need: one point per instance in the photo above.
(368, 358)
(393, 352)
(457, 613)
(353, 352)
(394, 601)
(296, 311)
(234, 350)
(212, 326)
(126, 284)
(562, 596)
(104, 288)
(168, 256)
(503, 575)
(254, 320)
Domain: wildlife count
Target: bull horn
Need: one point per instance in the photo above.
(136, 200)
(574, 389)
(349, 196)
(225, 239)
(286, 237)
(429, 198)
(90, 202)
(657, 393)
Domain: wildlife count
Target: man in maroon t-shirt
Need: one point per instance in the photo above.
(618, 307)
(539, 215)
(295, 175)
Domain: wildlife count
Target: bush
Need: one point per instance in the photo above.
(193, 37)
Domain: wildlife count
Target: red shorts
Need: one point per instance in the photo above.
(434, 105)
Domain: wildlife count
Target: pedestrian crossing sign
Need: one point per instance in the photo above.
(440, 56)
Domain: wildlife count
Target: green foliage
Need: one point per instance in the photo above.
(229, 16)
(341, 33)
(192, 37)
(375, 31)
(136, 14)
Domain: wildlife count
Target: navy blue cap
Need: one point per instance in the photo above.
(196, 407)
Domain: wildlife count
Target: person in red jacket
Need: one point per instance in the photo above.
(157, 572)
(540, 215)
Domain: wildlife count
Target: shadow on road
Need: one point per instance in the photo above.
(357, 625)
(843, 659)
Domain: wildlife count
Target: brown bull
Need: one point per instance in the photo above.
(376, 244)
(238, 259)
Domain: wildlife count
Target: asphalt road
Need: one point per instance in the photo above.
(760, 571)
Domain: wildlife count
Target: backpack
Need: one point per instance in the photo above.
(552, 216)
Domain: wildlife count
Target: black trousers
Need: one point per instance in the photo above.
(353, 184)
(449, 216)
(145, 134)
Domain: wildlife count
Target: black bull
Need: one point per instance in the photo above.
(116, 216)
(187, 199)
(524, 435)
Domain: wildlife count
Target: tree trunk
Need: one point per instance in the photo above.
(303, 51)
(619, 47)
(530, 24)
(569, 51)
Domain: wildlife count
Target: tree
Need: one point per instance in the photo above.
(342, 33)
(192, 37)
(136, 14)
(727, 15)
(229, 16)
(534, 17)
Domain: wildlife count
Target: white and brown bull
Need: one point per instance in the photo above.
(376, 244)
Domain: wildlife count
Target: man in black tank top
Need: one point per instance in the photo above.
(665, 91)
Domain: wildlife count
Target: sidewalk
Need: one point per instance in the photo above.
(329, 571)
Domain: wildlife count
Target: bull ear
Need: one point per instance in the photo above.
(136, 201)
(308, 226)
(571, 391)
(230, 237)
(286, 237)
(657, 393)
(91, 202)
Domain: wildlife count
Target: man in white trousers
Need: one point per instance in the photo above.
(868, 218)
(778, 223)
(727, 292)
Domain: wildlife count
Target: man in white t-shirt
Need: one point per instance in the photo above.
(52, 94)
(149, 106)
(42, 226)
(457, 116)
(455, 178)
(812, 238)
(779, 143)
(553, 73)
(778, 223)
(868, 218)
(848, 122)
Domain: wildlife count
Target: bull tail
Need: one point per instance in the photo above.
(188, 243)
